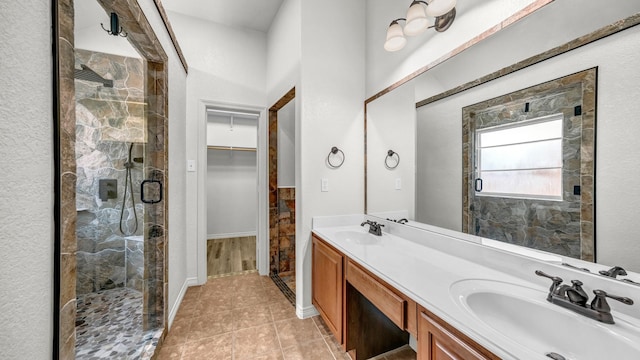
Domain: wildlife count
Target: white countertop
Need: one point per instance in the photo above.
(424, 265)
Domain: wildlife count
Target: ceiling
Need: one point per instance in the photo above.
(249, 14)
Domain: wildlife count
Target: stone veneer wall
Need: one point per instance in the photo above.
(286, 230)
(108, 120)
(562, 227)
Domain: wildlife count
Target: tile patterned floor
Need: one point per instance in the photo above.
(109, 326)
(247, 317)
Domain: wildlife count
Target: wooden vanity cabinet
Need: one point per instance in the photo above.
(438, 340)
(328, 285)
(349, 297)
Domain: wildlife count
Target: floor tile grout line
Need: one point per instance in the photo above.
(233, 346)
(278, 337)
(324, 338)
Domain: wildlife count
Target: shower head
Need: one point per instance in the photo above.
(89, 75)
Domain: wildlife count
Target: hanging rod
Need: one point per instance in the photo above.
(230, 112)
(232, 148)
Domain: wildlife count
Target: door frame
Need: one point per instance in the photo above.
(272, 184)
(262, 239)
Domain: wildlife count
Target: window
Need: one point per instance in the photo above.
(521, 160)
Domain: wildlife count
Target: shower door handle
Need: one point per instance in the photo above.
(478, 185)
(144, 199)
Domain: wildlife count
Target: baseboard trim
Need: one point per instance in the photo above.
(176, 306)
(306, 312)
(231, 235)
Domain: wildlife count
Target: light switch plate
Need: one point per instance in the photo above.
(324, 185)
(398, 183)
(191, 165)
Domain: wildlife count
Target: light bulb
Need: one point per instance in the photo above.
(440, 7)
(417, 21)
(395, 37)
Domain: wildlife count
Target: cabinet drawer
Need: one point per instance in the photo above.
(438, 340)
(387, 301)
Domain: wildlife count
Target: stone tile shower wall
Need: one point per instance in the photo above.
(108, 120)
(286, 230)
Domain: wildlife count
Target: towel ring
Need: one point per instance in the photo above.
(335, 151)
(390, 155)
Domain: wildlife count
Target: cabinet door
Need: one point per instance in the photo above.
(327, 285)
(438, 342)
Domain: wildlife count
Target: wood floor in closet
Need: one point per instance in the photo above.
(231, 256)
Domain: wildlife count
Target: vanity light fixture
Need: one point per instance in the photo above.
(115, 28)
(417, 21)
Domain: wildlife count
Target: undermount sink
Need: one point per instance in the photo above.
(522, 315)
(358, 237)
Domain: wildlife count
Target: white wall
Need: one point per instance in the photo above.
(231, 193)
(26, 190)
(617, 132)
(284, 52)
(439, 166)
(287, 145)
(384, 68)
(391, 124)
(331, 114)
(177, 85)
(226, 66)
(326, 65)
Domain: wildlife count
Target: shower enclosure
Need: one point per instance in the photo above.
(119, 101)
(110, 132)
(111, 136)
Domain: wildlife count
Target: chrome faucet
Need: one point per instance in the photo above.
(374, 227)
(575, 299)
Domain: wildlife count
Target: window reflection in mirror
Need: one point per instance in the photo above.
(440, 94)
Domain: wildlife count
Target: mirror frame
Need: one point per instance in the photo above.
(601, 33)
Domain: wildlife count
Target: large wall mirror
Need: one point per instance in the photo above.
(422, 121)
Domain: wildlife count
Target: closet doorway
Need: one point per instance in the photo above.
(282, 194)
(232, 191)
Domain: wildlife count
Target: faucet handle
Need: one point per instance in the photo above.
(600, 304)
(555, 279)
(613, 272)
(556, 282)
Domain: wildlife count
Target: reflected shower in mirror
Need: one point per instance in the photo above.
(423, 119)
(528, 166)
